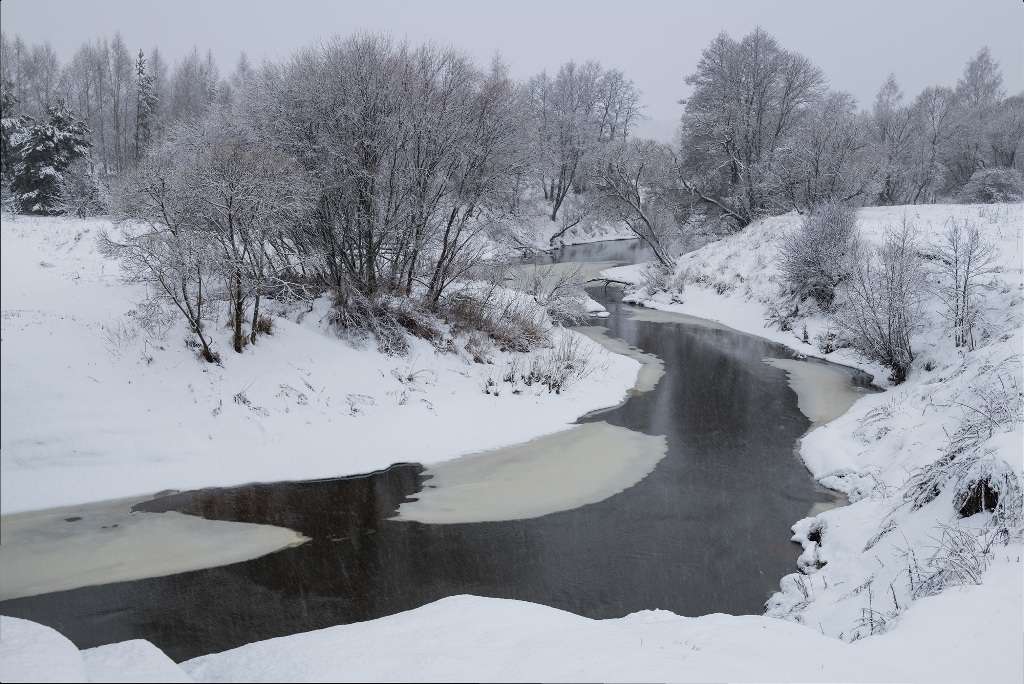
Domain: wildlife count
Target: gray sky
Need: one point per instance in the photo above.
(857, 42)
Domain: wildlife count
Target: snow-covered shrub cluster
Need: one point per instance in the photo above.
(879, 305)
(82, 192)
(814, 260)
(993, 186)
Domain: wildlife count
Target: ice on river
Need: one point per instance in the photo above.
(77, 546)
(824, 391)
(559, 472)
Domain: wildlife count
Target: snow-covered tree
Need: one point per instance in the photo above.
(573, 117)
(12, 129)
(878, 309)
(892, 123)
(145, 106)
(963, 259)
(638, 185)
(749, 98)
(44, 154)
(829, 158)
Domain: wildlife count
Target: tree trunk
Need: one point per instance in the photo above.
(239, 339)
(255, 317)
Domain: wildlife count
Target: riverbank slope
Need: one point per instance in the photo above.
(100, 401)
(933, 467)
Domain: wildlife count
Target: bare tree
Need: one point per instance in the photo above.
(749, 96)
(962, 260)
(829, 157)
(878, 309)
(573, 117)
(638, 185)
(160, 245)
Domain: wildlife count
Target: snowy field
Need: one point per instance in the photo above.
(95, 407)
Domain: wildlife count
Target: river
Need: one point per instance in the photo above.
(681, 498)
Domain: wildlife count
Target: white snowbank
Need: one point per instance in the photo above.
(468, 638)
(30, 652)
(94, 408)
(131, 661)
(967, 634)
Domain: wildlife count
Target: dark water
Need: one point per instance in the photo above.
(706, 531)
(621, 251)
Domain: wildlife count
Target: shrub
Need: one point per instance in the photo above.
(813, 258)
(560, 292)
(514, 321)
(567, 362)
(878, 309)
(265, 325)
(979, 479)
(990, 186)
(82, 193)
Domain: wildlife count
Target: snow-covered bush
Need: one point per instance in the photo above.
(656, 277)
(813, 259)
(961, 557)
(878, 308)
(560, 292)
(988, 186)
(386, 317)
(565, 363)
(515, 322)
(82, 192)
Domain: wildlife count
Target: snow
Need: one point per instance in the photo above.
(30, 652)
(966, 634)
(537, 228)
(468, 638)
(857, 559)
(861, 556)
(96, 408)
(131, 661)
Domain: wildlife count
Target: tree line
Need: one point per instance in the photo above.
(378, 169)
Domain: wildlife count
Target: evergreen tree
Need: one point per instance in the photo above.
(145, 106)
(12, 128)
(46, 152)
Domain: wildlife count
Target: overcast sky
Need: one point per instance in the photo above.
(857, 43)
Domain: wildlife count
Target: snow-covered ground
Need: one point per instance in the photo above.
(95, 407)
(967, 634)
(864, 564)
(852, 615)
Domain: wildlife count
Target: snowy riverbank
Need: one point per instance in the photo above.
(95, 407)
(864, 565)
